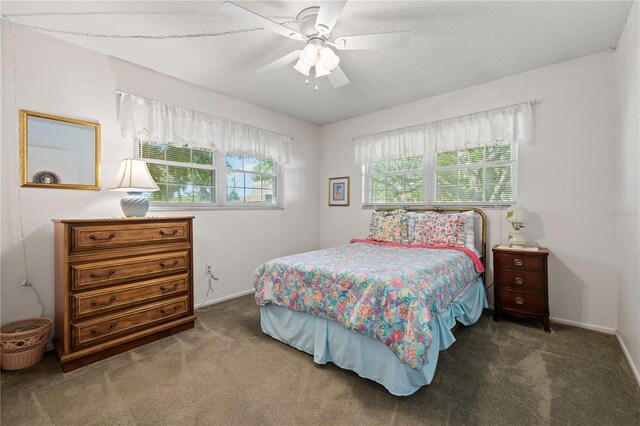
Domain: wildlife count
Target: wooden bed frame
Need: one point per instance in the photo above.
(454, 209)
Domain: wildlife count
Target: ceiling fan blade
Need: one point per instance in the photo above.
(338, 78)
(279, 63)
(398, 40)
(249, 16)
(328, 15)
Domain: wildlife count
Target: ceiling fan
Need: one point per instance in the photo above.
(316, 24)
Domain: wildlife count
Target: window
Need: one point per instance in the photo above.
(396, 181)
(251, 180)
(484, 175)
(184, 175)
(189, 177)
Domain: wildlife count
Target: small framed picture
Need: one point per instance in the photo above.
(339, 191)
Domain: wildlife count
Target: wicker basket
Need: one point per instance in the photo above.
(22, 343)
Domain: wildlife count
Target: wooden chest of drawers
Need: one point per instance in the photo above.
(520, 282)
(120, 283)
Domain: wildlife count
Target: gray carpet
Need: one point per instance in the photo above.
(225, 371)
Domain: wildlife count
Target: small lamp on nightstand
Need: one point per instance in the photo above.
(517, 216)
(134, 178)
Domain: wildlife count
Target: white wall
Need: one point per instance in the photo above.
(63, 79)
(627, 71)
(565, 180)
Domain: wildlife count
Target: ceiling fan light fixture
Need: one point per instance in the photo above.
(301, 67)
(309, 55)
(321, 71)
(329, 59)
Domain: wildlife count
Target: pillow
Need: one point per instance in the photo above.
(389, 227)
(441, 230)
(412, 218)
(412, 223)
(469, 229)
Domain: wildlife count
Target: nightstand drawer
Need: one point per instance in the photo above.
(522, 301)
(520, 280)
(518, 261)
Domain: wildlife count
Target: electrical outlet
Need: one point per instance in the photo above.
(209, 268)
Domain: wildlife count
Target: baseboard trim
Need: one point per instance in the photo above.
(625, 351)
(224, 299)
(593, 327)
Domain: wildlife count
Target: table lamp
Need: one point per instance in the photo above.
(134, 178)
(517, 216)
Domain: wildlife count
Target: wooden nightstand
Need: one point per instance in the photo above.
(520, 282)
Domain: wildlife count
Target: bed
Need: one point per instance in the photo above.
(382, 310)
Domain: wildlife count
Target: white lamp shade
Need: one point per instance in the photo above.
(301, 68)
(133, 176)
(309, 55)
(321, 71)
(329, 59)
(517, 214)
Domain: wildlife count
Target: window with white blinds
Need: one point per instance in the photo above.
(184, 175)
(478, 176)
(190, 177)
(251, 180)
(395, 181)
(483, 175)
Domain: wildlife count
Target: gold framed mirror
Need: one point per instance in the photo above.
(59, 152)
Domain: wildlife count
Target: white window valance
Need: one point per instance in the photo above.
(506, 125)
(152, 120)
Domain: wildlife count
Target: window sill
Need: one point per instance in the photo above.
(198, 207)
(433, 206)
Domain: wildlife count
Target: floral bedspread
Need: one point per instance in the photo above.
(387, 293)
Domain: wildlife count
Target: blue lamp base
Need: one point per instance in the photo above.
(135, 204)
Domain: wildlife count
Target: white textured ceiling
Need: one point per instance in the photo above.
(454, 45)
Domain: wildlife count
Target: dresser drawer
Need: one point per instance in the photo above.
(112, 298)
(520, 280)
(95, 274)
(89, 332)
(86, 237)
(519, 261)
(522, 301)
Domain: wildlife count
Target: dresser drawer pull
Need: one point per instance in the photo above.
(519, 280)
(519, 301)
(111, 236)
(170, 311)
(518, 262)
(173, 265)
(170, 288)
(95, 276)
(168, 234)
(95, 331)
(108, 302)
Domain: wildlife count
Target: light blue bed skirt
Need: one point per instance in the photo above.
(328, 341)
